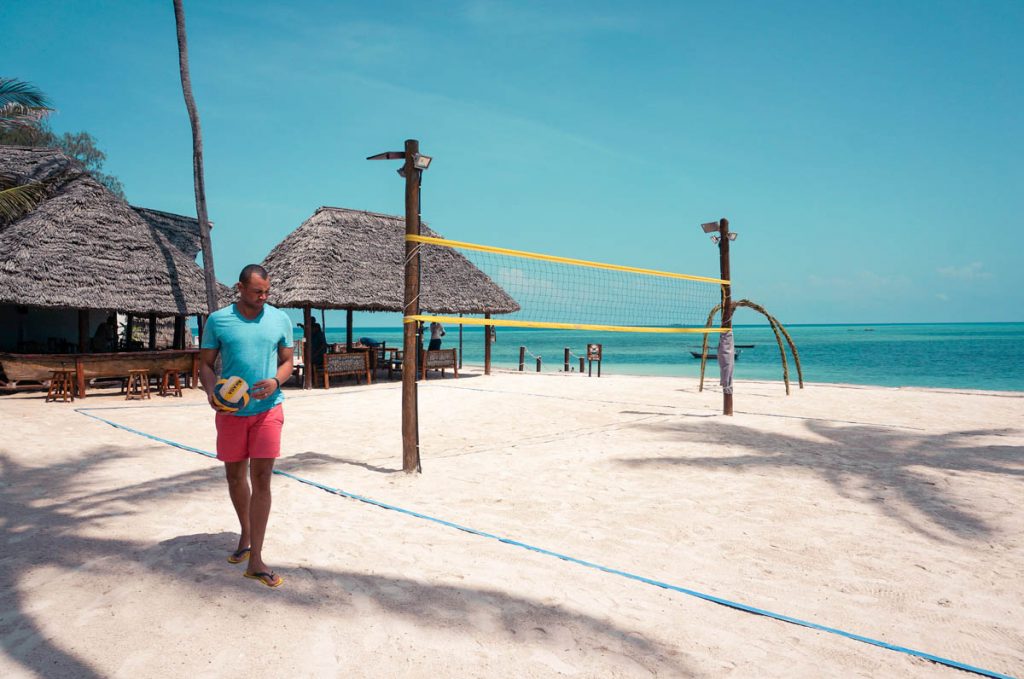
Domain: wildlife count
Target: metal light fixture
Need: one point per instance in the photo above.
(420, 162)
(715, 228)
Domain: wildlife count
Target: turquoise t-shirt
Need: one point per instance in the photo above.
(248, 348)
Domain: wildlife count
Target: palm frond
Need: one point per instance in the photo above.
(17, 200)
(22, 104)
(15, 116)
(14, 91)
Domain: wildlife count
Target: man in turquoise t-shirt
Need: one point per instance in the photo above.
(254, 342)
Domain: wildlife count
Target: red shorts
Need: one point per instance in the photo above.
(243, 437)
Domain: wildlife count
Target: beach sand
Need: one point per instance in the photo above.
(889, 513)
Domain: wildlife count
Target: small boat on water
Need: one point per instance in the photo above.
(712, 355)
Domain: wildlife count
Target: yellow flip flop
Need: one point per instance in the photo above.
(239, 556)
(270, 579)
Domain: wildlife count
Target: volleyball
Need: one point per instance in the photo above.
(231, 394)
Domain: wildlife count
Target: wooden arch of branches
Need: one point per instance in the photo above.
(777, 328)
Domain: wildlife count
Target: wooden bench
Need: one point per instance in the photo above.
(439, 359)
(338, 365)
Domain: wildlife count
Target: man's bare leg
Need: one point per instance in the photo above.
(238, 489)
(261, 471)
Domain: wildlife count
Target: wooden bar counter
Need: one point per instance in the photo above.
(38, 367)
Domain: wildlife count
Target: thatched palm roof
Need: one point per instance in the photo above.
(84, 248)
(350, 259)
(181, 231)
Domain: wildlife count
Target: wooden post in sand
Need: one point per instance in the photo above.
(487, 347)
(410, 420)
(307, 347)
(723, 262)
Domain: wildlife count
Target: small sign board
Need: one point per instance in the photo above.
(594, 352)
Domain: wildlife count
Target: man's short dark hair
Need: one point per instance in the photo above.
(248, 272)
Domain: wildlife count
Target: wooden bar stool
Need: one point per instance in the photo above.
(138, 385)
(170, 383)
(62, 386)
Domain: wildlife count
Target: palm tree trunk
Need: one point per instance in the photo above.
(197, 160)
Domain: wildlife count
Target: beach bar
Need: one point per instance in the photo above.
(39, 367)
(83, 273)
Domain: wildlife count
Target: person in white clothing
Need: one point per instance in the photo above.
(436, 333)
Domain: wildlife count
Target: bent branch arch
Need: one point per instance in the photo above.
(777, 328)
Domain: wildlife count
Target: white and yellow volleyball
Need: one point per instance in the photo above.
(231, 394)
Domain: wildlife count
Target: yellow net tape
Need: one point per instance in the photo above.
(500, 322)
(443, 242)
(532, 290)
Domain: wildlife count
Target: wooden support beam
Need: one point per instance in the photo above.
(307, 347)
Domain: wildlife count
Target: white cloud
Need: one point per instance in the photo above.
(971, 272)
(860, 283)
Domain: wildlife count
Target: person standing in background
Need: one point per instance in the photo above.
(436, 333)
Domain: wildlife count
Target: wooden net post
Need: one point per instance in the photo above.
(410, 418)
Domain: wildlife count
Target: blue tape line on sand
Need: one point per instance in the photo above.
(564, 557)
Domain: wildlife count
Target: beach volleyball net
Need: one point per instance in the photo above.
(545, 291)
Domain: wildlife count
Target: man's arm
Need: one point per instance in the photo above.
(267, 387)
(207, 373)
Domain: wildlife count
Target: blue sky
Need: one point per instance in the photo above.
(868, 154)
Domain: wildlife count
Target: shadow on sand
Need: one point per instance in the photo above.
(56, 522)
(864, 463)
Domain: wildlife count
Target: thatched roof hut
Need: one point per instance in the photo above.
(84, 248)
(354, 260)
(181, 231)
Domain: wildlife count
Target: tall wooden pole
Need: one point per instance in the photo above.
(487, 347)
(348, 329)
(723, 262)
(307, 347)
(410, 420)
(199, 181)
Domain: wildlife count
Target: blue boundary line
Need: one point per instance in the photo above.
(589, 564)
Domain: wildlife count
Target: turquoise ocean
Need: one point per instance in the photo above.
(947, 355)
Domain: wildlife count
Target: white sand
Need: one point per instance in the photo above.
(890, 513)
